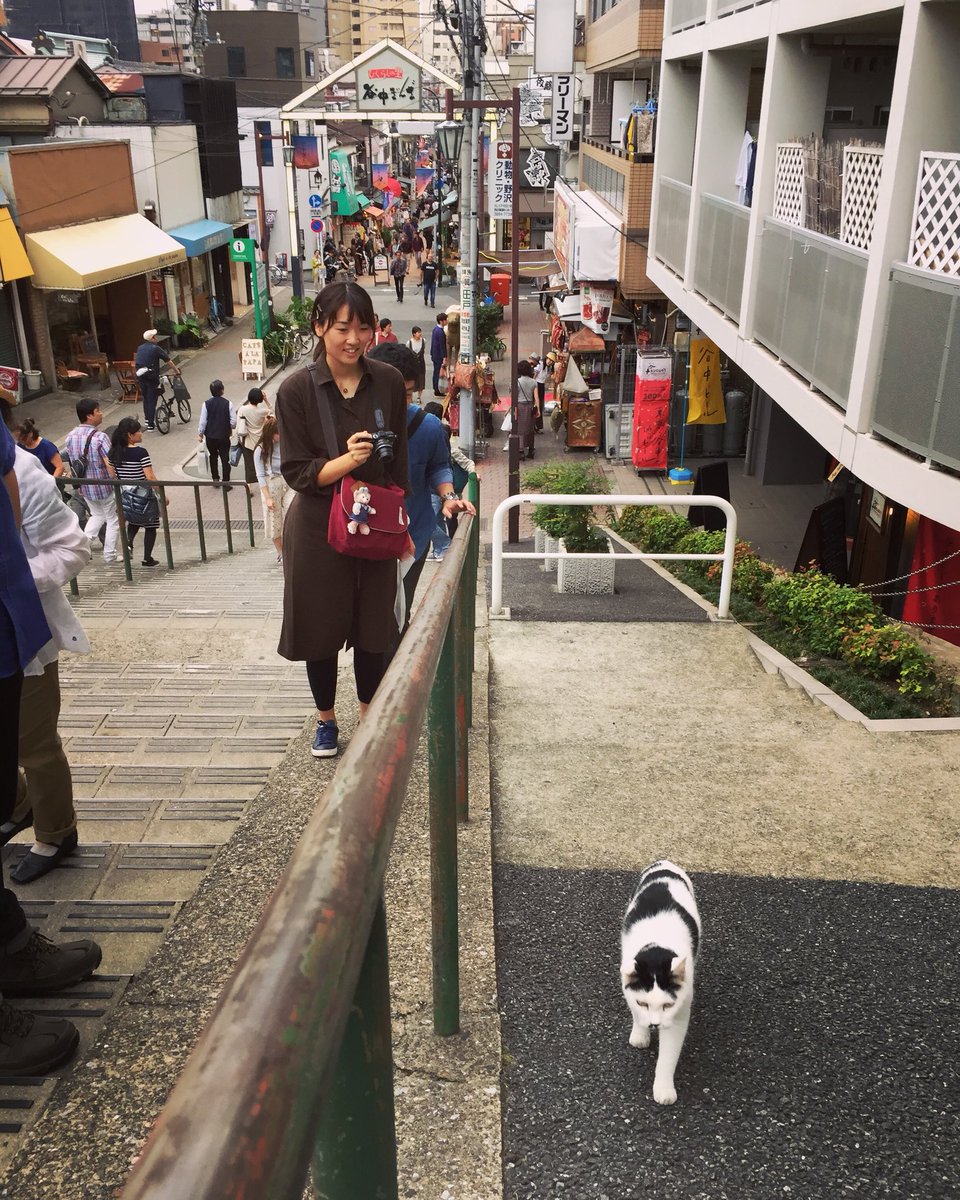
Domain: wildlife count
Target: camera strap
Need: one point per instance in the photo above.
(330, 437)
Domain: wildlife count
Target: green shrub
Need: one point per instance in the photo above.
(632, 524)
(818, 607)
(571, 522)
(663, 531)
(886, 651)
(298, 312)
(750, 573)
(700, 541)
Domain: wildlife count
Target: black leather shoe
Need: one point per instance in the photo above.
(32, 1044)
(40, 967)
(34, 866)
(24, 823)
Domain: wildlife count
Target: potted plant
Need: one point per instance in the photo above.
(189, 331)
(569, 528)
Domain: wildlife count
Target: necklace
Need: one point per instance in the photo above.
(347, 390)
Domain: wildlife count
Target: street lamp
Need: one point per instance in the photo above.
(449, 143)
(295, 264)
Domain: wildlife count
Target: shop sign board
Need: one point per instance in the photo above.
(380, 263)
(10, 379)
(388, 83)
(564, 219)
(561, 121)
(651, 411)
(555, 24)
(501, 181)
(243, 250)
(596, 303)
(251, 358)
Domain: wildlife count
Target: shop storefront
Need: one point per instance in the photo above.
(193, 282)
(94, 277)
(14, 265)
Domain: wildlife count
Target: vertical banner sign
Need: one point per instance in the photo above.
(651, 411)
(596, 301)
(561, 122)
(501, 181)
(554, 36)
(467, 305)
(705, 402)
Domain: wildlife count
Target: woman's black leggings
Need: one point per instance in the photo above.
(322, 676)
(149, 537)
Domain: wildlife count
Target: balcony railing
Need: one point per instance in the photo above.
(809, 296)
(673, 217)
(726, 7)
(722, 253)
(684, 13)
(918, 389)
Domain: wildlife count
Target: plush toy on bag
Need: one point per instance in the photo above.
(361, 510)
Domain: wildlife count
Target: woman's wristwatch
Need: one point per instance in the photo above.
(445, 496)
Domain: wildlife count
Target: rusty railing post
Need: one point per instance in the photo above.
(442, 755)
(225, 490)
(462, 697)
(165, 522)
(250, 517)
(356, 1148)
(200, 534)
(122, 533)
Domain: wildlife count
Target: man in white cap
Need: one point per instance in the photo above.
(147, 362)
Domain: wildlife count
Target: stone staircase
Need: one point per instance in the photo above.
(172, 727)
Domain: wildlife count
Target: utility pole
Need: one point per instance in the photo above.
(472, 60)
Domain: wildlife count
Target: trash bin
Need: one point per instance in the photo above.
(500, 289)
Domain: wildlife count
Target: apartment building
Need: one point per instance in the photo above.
(167, 37)
(356, 25)
(270, 56)
(806, 192)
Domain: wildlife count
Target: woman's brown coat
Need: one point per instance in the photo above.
(329, 599)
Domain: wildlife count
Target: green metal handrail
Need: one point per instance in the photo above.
(160, 485)
(296, 1061)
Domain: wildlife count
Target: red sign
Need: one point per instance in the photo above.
(651, 412)
(156, 293)
(316, 225)
(10, 379)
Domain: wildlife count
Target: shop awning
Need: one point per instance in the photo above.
(200, 237)
(76, 257)
(14, 263)
(362, 199)
(373, 211)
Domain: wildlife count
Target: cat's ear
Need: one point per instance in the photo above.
(678, 970)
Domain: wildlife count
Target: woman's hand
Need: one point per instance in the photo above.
(359, 447)
(410, 551)
(268, 502)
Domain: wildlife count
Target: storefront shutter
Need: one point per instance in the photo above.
(9, 353)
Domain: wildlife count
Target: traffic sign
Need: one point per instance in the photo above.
(316, 226)
(315, 201)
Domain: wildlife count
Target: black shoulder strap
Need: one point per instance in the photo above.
(326, 416)
(415, 422)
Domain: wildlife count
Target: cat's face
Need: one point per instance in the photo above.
(654, 995)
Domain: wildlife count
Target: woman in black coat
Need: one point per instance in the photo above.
(331, 599)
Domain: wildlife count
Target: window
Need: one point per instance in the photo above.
(842, 115)
(286, 68)
(236, 61)
(308, 65)
(605, 181)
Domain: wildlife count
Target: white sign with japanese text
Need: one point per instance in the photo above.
(501, 181)
(561, 122)
(388, 83)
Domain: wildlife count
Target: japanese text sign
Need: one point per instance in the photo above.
(388, 83)
(501, 181)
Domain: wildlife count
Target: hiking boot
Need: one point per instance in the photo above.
(32, 965)
(326, 744)
(34, 1045)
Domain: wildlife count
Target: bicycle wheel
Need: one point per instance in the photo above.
(162, 418)
(306, 338)
(183, 410)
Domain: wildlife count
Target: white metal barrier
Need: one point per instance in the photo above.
(685, 501)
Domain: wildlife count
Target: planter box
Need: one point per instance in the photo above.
(585, 576)
(539, 541)
(550, 546)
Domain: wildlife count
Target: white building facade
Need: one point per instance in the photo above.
(826, 266)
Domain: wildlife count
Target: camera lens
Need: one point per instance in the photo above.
(383, 442)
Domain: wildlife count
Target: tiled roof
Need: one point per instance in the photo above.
(39, 74)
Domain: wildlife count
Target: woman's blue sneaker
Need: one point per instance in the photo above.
(326, 744)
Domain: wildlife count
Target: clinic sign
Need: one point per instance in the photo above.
(501, 181)
(388, 82)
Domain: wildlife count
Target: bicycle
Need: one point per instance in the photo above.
(165, 403)
(296, 343)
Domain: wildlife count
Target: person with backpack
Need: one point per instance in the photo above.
(431, 476)
(218, 419)
(88, 451)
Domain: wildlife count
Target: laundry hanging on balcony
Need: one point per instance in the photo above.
(746, 162)
(639, 130)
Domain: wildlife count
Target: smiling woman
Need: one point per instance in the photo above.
(333, 599)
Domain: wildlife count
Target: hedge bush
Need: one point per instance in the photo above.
(812, 614)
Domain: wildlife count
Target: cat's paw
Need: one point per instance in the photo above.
(640, 1038)
(664, 1093)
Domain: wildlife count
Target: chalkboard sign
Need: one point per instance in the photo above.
(711, 480)
(824, 544)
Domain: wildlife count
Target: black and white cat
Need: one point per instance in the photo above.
(659, 943)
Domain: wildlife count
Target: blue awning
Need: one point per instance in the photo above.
(200, 237)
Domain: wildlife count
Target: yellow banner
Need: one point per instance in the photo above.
(705, 402)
